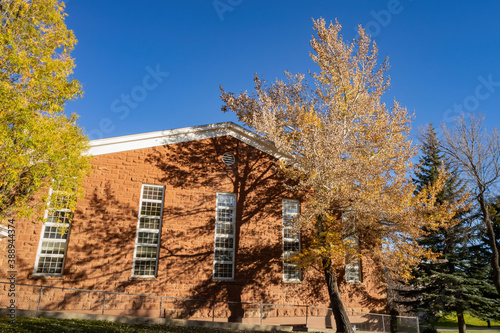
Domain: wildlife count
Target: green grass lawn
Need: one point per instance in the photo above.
(451, 321)
(25, 324)
(468, 331)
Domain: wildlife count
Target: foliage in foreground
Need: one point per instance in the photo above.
(352, 154)
(38, 142)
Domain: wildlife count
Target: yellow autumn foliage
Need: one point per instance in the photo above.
(350, 152)
(39, 143)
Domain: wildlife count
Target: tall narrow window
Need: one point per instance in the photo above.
(147, 241)
(225, 223)
(291, 240)
(54, 239)
(353, 264)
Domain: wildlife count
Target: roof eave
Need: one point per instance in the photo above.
(186, 134)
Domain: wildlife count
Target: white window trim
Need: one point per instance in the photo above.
(158, 231)
(290, 239)
(351, 263)
(224, 236)
(42, 239)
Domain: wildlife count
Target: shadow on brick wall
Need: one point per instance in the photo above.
(102, 239)
(258, 243)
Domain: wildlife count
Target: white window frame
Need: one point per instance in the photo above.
(47, 224)
(353, 265)
(224, 235)
(156, 231)
(286, 227)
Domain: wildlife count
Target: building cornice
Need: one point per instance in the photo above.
(4, 232)
(186, 134)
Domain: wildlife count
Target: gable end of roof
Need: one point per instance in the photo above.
(186, 134)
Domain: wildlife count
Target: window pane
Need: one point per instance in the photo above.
(225, 215)
(291, 246)
(146, 252)
(59, 200)
(223, 270)
(291, 239)
(54, 236)
(225, 219)
(290, 207)
(152, 193)
(227, 200)
(352, 271)
(224, 228)
(149, 223)
(54, 232)
(148, 231)
(53, 248)
(223, 255)
(49, 265)
(151, 208)
(147, 238)
(60, 216)
(145, 267)
(291, 272)
(290, 233)
(224, 242)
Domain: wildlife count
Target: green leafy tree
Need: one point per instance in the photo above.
(39, 143)
(457, 281)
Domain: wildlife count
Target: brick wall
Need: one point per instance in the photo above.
(101, 242)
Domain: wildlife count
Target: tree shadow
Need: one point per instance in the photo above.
(102, 237)
(259, 191)
(99, 255)
(255, 179)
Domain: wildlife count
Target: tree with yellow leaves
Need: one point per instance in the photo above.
(351, 154)
(39, 143)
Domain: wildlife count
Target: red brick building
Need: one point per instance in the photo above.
(195, 213)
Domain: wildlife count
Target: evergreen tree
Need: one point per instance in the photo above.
(484, 252)
(495, 218)
(458, 280)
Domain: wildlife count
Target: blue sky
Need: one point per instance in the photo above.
(157, 64)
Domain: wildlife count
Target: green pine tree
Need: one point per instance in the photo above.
(495, 217)
(458, 281)
(484, 252)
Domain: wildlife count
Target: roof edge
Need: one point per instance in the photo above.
(4, 232)
(179, 135)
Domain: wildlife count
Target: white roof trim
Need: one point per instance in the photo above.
(186, 134)
(4, 232)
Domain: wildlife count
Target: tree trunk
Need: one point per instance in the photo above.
(462, 328)
(341, 319)
(339, 313)
(490, 232)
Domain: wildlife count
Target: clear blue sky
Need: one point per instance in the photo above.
(170, 56)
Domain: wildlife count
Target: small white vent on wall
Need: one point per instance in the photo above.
(228, 158)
